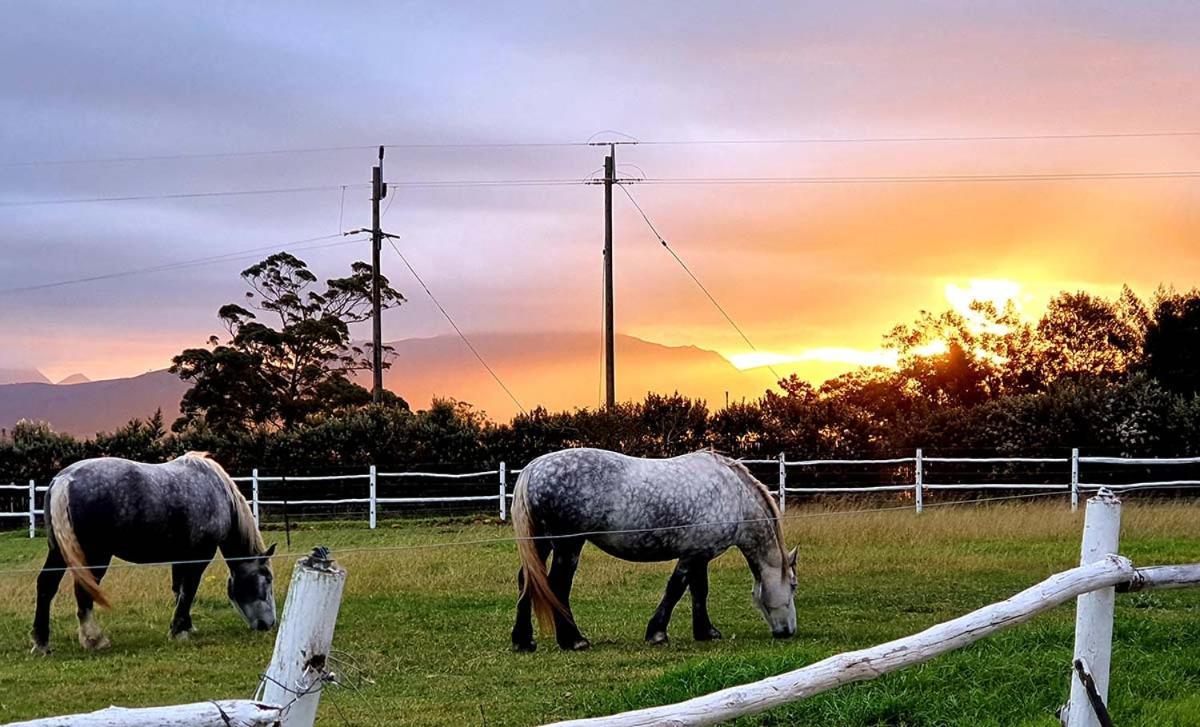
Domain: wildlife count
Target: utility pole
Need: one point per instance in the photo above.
(378, 192)
(610, 353)
(610, 358)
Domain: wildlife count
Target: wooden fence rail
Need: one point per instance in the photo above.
(291, 685)
(365, 485)
(1100, 573)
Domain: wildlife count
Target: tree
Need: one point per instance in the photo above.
(274, 375)
(1085, 335)
(1172, 344)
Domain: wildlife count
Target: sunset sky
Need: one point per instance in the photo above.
(813, 272)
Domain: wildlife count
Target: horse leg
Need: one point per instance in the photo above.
(656, 630)
(185, 580)
(47, 586)
(562, 575)
(90, 635)
(522, 633)
(702, 626)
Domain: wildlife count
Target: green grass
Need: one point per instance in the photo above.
(428, 628)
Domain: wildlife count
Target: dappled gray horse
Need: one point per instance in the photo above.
(181, 511)
(691, 508)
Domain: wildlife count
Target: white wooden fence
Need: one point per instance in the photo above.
(291, 686)
(1093, 584)
(366, 484)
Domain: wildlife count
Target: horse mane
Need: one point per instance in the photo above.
(246, 525)
(764, 494)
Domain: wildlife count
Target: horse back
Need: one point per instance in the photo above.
(146, 512)
(638, 509)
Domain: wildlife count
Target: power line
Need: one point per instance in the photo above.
(178, 195)
(814, 140)
(661, 181)
(926, 139)
(927, 178)
(696, 280)
(454, 325)
(226, 257)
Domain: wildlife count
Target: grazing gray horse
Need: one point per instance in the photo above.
(691, 508)
(181, 511)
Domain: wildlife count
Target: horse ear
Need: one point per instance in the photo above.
(792, 557)
(270, 551)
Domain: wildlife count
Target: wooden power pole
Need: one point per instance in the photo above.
(610, 358)
(378, 192)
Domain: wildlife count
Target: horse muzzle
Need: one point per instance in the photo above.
(783, 633)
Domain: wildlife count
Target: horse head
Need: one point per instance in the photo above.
(774, 596)
(250, 589)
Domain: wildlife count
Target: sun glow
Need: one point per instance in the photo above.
(998, 293)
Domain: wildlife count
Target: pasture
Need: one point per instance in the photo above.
(423, 636)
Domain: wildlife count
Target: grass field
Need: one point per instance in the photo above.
(424, 632)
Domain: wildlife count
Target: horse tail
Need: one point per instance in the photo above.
(68, 544)
(536, 583)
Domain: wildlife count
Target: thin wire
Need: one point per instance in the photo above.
(342, 210)
(661, 181)
(176, 195)
(652, 142)
(581, 534)
(696, 280)
(928, 178)
(294, 245)
(921, 139)
(454, 325)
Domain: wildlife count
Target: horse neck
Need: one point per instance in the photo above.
(236, 543)
(758, 537)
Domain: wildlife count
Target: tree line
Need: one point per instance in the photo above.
(1114, 376)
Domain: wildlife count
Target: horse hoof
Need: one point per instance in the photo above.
(181, 635)
(712, 634)
(94, 642)
(658, 638)
(527, 648)
(581, 645)
(42, 649)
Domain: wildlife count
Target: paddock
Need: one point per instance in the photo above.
(422, 637)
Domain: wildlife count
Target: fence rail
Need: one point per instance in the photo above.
(916, 486)
(1093, 585)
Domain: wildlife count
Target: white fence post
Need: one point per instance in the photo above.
(1094, 610)
(919, 481)
(373, 498)
(782, 482)
(297, 671)
(32, 509)
(1074, 479)
(254, 492)
(503, 494)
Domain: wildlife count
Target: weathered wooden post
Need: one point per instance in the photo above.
(919, 481)
(221, 713)
(298, 671)
(254, 492)
(32, 509)
(503, 494)
(1094, 610)
(373, 498)
(1074, 479)
(782, 483)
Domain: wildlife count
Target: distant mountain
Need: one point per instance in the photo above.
(74, 379)
(84, 409)
(558, 371)
(555, 370)
(22, 376)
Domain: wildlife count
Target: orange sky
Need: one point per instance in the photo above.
(813, 272)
